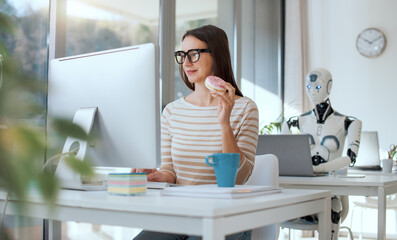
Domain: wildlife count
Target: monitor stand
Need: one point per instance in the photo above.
(69, 179)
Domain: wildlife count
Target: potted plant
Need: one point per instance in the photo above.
(392, 151)
(272, 126)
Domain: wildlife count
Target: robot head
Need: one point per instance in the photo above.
(318, 85)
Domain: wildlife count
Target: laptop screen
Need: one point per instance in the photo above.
(292, 151)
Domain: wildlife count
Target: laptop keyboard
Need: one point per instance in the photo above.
(368, 168)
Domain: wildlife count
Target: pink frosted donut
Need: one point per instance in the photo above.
(215, 84)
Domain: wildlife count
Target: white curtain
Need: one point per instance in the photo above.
(296, 58)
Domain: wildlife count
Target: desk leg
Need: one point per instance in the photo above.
(324, 221)
(381, 213)
(212, 230)
(54, 230)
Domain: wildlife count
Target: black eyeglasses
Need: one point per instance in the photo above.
(192, 54)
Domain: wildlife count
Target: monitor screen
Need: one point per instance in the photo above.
(368, 153)
(123, 85)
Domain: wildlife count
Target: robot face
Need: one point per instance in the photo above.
(318, 85)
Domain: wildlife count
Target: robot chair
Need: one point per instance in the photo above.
(300, 225)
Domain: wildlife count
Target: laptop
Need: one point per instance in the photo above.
(368, 154)
(292, 151)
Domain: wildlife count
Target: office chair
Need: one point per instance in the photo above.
(372, 203)
(265, 173)
(298, 225)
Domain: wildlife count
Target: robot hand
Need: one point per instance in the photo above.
(353, 138)
(335, 164)
(352, 157)
(317, 160)
(285, 128)
(292, 122)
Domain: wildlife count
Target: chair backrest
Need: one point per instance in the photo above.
(265, 173)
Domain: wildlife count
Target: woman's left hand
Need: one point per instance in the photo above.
(225, 103)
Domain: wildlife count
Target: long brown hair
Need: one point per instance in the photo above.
(216, 40)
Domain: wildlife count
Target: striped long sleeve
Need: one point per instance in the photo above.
(189, 133)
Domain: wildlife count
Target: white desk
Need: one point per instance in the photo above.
(372, 185)
(211, 218)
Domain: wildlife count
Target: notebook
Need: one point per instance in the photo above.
(368, 154)
(213, 191)
(292, 151)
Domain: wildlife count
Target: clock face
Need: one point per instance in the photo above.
(371, 42)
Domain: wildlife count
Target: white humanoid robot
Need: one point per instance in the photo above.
(327, 130)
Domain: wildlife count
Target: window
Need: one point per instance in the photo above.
(100, 25)
(27, 44)
(260, 43)
(191, 14)
(261, 55)
(91, 26)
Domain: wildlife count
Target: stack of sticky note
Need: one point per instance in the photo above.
(127, 183)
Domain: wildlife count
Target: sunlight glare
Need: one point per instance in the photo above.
(80, 10)
(268, 103)
(23, 7)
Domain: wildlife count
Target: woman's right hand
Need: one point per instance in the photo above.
(153, 175)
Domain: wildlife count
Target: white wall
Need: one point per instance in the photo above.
(365, 88)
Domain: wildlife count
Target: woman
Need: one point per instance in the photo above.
(205, 122)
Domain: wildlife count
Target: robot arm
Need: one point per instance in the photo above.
(353, 127)
(336, 164)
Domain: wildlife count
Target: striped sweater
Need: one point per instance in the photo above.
(189, 133)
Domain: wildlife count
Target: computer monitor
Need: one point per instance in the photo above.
(115, 95)
(368, 153)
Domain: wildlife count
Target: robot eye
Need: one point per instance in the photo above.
(318, 87)
(309, 87)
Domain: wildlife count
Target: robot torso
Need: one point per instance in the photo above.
(326, 139)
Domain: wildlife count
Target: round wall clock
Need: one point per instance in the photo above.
(371, 42)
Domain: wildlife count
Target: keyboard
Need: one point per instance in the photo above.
(161, 185)
(157, 185)
(368, 168)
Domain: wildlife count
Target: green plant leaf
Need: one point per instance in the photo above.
(272, 126)
(79, 166)
(69, 129)
(28, 140)
(48, 184)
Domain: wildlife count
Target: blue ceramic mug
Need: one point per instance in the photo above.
(225, 167)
